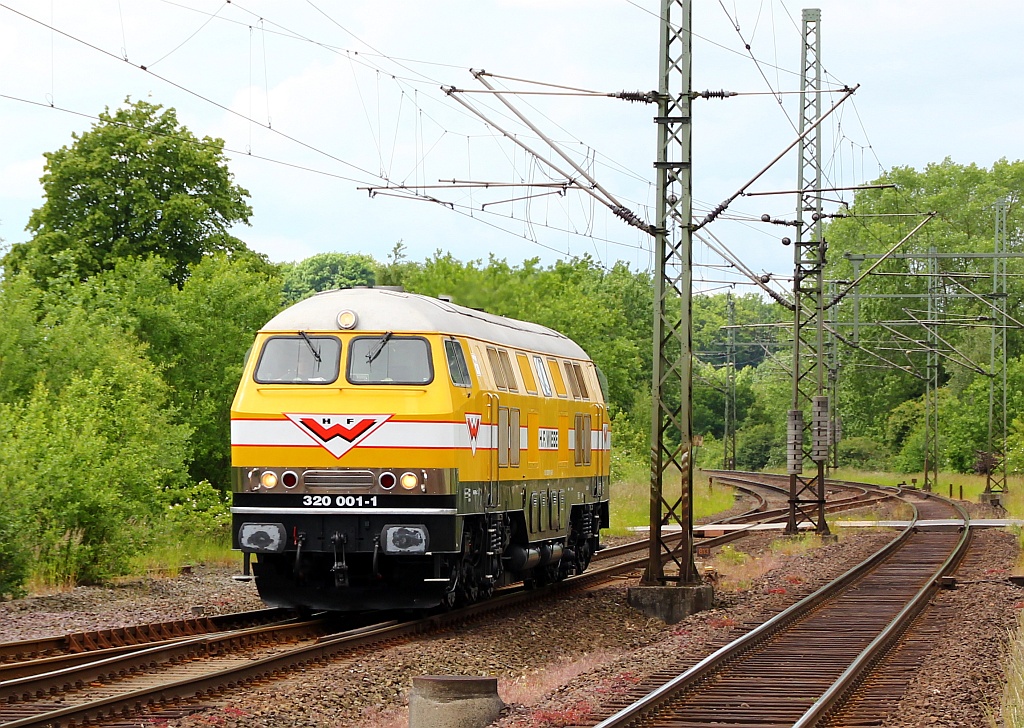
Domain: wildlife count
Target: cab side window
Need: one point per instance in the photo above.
(506, 366)
(570, 376)
(581, 379)
(457, 368)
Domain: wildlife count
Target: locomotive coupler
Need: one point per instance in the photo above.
(340, 568)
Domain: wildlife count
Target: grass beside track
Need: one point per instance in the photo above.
(630, 505)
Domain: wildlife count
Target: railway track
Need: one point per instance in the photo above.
(800, 667)
(157, 664)
(193, 667)
(183, 661)
(842, 497)
(130, 637)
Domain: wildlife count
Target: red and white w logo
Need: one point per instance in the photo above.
(473, 423)
(338, 433)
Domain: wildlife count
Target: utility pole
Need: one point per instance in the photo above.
(931, 393)
(995, 470)
(729, 436)
(807, 493)
(672, 381)
(835, 428)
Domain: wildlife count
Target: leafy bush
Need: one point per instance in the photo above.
(757, 447)
(631, 451)
(14, 559)
(80, 468)
(910, 458)
(863, 453)
(199, 510)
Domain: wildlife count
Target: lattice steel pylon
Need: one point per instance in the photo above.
(931, 392)
(729, 433)
(835, 425)
(807, 494)
(995, 470)
(672, 381)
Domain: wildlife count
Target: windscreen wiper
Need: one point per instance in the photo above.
(378, 347)
(316, 354)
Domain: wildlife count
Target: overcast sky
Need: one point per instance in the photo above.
(318, 99)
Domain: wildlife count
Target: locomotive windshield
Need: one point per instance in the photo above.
(301, 359)
(389, 359)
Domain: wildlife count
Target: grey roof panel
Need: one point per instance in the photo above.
(380, 309)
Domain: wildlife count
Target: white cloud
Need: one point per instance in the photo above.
(935, 83)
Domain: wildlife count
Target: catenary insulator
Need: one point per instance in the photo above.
(722, 94)
(643, 97)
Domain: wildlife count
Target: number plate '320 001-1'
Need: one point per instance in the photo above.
(340, 501)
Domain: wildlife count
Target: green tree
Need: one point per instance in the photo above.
(137, 184)
(326, 271)
(397, 269)
(963, 198)
(220, 308)
(15, 556)
(197, 335)
(758, 446)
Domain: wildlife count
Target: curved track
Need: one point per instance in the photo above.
(800, 666)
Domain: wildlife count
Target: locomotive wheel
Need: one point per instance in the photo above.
(583, 550)
(468, 582)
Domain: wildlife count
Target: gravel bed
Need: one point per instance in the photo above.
(557, 666)
(960, 682)
(128, 602)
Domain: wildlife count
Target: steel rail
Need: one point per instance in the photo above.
(121, 657)
(40, 683)
(745, 644)
(858, 500)
(841, 689)
(133, 635)
(325, 648)
(136, 700)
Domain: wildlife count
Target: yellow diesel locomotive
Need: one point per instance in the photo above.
(396, 451)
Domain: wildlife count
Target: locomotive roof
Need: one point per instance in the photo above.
(380, 310)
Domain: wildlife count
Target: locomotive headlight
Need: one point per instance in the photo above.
(409, 481)
(268, 479)
(347, 319)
